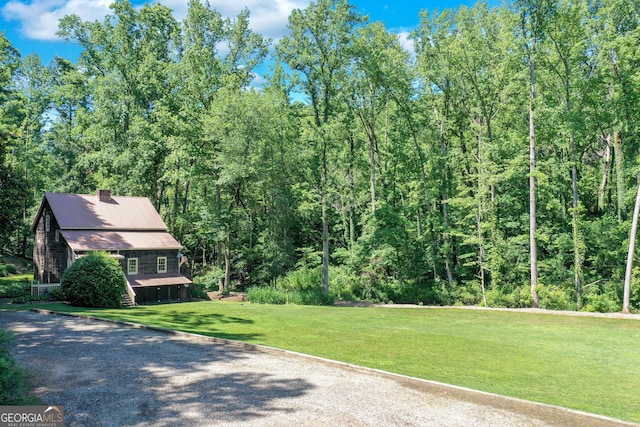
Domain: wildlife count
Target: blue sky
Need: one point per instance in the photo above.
(30, 25)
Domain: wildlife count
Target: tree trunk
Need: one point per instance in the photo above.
(632, 247)
(218, 242)
(533, 248)
(602, 201)
(227, 265)
(445, 206)
(325, 221)
(620, 188)
(373, 176)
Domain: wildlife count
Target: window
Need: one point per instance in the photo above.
(132, 266)
(47, 223)
(57, 235)
(162, 264)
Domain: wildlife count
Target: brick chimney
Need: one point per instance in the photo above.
(104, 195)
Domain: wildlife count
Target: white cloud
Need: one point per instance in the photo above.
(38, 19)
(268, 18)
(405, 42)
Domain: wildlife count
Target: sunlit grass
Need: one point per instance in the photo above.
(584, 363)
(16, 278)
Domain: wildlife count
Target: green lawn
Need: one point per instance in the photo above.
(16, 278)
(585, 363)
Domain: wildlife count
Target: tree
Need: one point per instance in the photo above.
(632, 248)
(12, 183)
(319, 50)
(533, 14)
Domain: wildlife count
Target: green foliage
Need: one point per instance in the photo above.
(555, 298)
(267, 295)
(26, 299)
(344, 284)
(56, 294)
(603, 297)
(198, 292)
(13, 385)
(413, 192)
(14, 289)
(304, 278)
(95, 280)
(279, 296)
(518, 298)
(211, 279)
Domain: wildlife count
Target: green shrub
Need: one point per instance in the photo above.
(13, 388)
(211, 279)
(303, 278)
(270, 295)
(3, 270)
(11, 269)
(554, 298)
(56, 294)
(25, 299)
(95, 280)
(495, 298)
(344, 284)
(198, 292)
(267, 295)
(602, 303)
(15, 289)
(471, 294)
(520, 297)
(312, 297)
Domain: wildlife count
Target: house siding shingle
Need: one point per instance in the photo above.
(50, 258)
(148, 261)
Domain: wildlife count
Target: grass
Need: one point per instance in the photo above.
(15, 278)
(584, 363)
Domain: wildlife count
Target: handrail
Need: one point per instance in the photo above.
(130, 291)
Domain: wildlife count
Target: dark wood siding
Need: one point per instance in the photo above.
(148, 261)
(161, 294)
(50, 257)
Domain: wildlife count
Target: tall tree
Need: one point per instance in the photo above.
(319, 50)
(12, 185)
(534, 15)
(567, 35)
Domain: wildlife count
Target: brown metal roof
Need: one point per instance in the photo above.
(97, 240)
(158, 280)
(86, 211)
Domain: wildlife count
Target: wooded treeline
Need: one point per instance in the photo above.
(367, 169)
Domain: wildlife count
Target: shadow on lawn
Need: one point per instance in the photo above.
(101, 372)
(210, 324)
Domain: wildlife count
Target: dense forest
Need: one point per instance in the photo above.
(495, 164)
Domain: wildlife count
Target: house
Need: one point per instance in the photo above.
(68, 226)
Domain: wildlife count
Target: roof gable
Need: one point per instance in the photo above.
(87, 212)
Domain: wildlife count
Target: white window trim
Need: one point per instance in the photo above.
(47, 223)
(57, 235)
(131, 271)
(164, 261)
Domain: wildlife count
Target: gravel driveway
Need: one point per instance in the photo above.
(108, 374)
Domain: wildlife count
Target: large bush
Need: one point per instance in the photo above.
(95, 280)
(13, 387)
